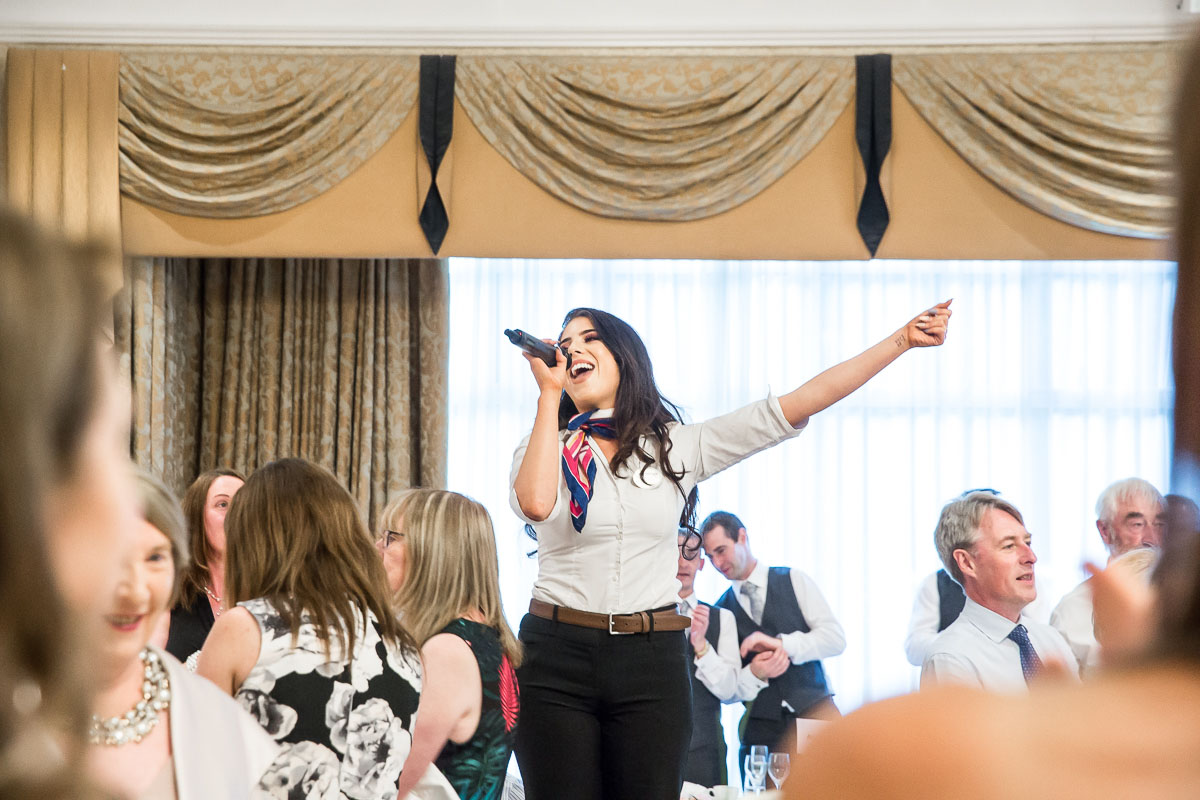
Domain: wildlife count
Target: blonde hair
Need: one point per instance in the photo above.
(294, 536)
(450, 564)
(161, 509)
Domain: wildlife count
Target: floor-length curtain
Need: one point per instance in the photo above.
(1054, 382)
(238, 362)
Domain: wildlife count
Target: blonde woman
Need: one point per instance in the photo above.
(311, 646)
(160, 732)
(439, 551)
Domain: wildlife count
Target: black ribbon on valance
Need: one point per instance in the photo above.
(873, 132)
(435, 122)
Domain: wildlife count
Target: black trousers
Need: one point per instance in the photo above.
(705, 765)
(603, 717)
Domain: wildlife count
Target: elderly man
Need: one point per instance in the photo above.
(717, 672)
(782, 620)
(1129, 514)
(983, 544)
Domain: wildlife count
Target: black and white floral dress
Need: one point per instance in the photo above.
(345, 724)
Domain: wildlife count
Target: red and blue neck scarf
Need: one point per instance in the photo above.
(578, 465)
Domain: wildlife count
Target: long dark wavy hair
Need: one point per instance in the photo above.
(641, 410)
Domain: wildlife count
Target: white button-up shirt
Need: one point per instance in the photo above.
(976, 651)
(624, 559)
(1072, 617)
(720, 669)
(825, 638)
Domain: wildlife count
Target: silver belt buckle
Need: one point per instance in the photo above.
(611, 632)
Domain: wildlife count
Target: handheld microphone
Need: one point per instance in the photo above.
(533, 346)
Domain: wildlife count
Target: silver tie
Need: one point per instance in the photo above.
(754, 595)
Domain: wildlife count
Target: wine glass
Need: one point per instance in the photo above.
(756, 772)
(778, 767)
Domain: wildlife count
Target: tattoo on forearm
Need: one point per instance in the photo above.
(899, 340)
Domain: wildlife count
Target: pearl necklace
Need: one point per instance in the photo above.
(136, 723)
(215, 599)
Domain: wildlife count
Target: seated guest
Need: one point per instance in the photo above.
(161, 732)
(313, 648)
(440, 555)
(67, 504)
(782, 618)
(983, 543)
(202, 585)
(716, 667)
(1129, 514)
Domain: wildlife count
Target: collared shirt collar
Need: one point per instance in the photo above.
(690, 602)
(994, 626)
(758, 576)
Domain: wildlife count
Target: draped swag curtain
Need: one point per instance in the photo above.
(1079, 135)
(239, 135)
(61, 116)
(654, 138)
(238, 362)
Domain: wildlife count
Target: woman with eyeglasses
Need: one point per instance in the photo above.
(310, 644)
(440, 555)
(605, 478)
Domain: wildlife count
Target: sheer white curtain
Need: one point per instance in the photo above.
(1054, 382)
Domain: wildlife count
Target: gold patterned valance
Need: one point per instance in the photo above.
(232, 135)
(1079, 135)
(654, 138)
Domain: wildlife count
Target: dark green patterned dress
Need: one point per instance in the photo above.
(476, 768)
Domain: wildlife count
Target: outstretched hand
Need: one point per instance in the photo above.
(928, 329)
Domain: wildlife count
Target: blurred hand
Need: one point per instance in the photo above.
(759, 642)
(1123, 610)
(928, 329)
(770, 664)
(699, 626)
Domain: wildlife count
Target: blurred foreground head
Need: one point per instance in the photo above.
(66, 498)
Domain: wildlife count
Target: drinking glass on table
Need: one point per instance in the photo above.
(756, 772)
(778, 767)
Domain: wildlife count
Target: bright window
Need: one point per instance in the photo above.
(1054, 382)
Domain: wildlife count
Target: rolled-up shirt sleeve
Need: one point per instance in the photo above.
(518, 457)
(825, 637)
(706, 448)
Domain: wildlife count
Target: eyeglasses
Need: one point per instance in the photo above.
(689, 548)
(391, 536)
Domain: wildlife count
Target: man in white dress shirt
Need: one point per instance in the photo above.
(1129, 514)
(780, 613)
(717, 672)
(983, 544)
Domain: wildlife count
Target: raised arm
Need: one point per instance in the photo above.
(927, 329)
(536, 484)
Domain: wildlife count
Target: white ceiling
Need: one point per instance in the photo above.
(577, 23)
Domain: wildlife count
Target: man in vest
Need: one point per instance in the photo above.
(780, 614)
(982, 541)
(717, 672)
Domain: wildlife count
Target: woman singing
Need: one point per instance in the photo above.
(605, 478)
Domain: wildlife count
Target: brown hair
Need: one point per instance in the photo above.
(1180, 601)
(191, 582)
(450, 564)
(294, 536)
(161, 509)
(51, 310)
